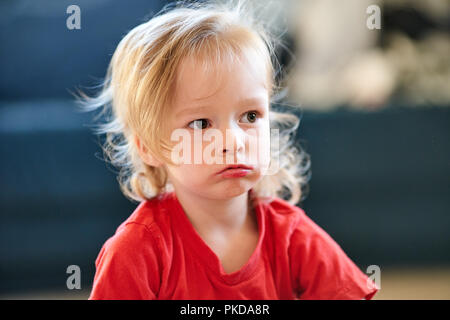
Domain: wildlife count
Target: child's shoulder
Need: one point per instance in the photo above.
(293, 217)
(144, 226)
(281, 206)
(283, 216)
(281, 209)
(150, 212)
(148, 220)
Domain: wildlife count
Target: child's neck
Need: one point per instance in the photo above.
(228, 216)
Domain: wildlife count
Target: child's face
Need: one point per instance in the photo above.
(234, 101)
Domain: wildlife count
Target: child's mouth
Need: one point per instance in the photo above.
(235, 171)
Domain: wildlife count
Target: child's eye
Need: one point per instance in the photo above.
(198, 124)
(250, 117)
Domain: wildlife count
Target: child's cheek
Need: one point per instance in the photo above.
(264, 145)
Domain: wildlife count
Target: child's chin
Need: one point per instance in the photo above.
(234, 191)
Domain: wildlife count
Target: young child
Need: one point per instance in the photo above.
(208, 229)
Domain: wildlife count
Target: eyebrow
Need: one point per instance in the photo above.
(241, 103)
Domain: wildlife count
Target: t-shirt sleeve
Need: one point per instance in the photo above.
(127, 267)
(320, 268)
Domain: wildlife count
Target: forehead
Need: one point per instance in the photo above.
(202, 79)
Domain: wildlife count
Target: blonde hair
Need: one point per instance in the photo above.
(140, 79)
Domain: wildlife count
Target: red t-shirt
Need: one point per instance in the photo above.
(157, 254)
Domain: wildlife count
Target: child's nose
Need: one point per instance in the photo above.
(234, 140)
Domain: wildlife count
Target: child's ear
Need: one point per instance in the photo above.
(145, 154)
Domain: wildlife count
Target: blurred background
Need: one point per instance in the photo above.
(375, 119)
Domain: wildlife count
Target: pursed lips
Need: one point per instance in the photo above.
(237, 166)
